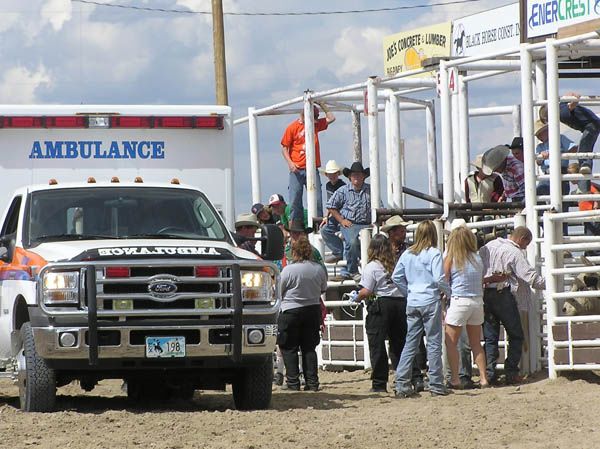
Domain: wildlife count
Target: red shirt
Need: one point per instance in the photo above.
(293, 140)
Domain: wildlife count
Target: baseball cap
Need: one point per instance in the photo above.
(276, 198)
(256, 208)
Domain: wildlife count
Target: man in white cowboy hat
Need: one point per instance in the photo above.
(332, 170)
(543, 150)
(351, 207)
(294, 153)
(500, 160)
(245, 229)
(482, 188)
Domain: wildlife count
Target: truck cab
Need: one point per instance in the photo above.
(133, 279)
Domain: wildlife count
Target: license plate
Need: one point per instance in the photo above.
(164, 347)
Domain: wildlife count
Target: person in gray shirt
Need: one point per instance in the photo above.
(302, 283)
(386, 307)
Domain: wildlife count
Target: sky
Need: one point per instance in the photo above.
(67, 52)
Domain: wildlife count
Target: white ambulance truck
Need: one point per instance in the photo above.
(116, 260)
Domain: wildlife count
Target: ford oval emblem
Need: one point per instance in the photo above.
(162, 288)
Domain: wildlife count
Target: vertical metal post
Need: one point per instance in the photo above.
(446, 120)
(431, 150)
(365, 241)
(373, 144)
(356, 136)
(402, 174)
(551, 288)
(389, 179)
(516, 120)
(553, 125)
(311, 167)
(254, 159)
(463, 117)
(540, 80)
(533, 250)
(455, 119)
(397, 149)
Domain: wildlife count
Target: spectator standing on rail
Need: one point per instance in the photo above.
(580, 119)
(332, 171)
(302, 283)
(350, 205)
(420, 275)
(294, 152)
(482, 188)
(543, 149)
(499, 160)
(507, 257)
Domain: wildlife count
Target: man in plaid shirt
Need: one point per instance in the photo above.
(499, 160)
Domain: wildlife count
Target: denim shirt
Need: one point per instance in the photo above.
(566, 145)
(353, 205)
(468, 282)
(421, 277)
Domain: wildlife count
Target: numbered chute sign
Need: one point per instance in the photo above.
(165, 347)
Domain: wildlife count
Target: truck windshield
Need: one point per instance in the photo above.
(121, 213)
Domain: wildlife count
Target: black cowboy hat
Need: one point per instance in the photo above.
(298, 226)
(517, 142)
(356, 167)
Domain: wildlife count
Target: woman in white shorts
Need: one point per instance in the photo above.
(464, 270)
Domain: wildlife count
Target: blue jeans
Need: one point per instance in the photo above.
(296, 189)
(500, 307)
(331, 240)
(587, 141)
(351, 246)
(428, 319)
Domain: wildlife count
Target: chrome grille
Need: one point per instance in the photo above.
(211, 292)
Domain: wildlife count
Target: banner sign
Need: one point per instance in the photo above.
(486, 32)
(547, 16)
(407, 50)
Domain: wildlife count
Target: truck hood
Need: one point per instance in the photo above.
(136, 249)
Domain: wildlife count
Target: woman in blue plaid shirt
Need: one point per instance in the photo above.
(464, 270)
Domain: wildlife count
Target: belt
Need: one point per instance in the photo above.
(495, 289)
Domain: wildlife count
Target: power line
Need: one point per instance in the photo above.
(292, 13)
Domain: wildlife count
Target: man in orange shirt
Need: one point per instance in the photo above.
(294, 153)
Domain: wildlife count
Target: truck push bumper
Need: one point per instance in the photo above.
(130, 342)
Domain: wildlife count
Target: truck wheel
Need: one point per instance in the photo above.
(37, 381)
(252, 389)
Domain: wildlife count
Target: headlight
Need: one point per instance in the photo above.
(256, 286)
(61, 288)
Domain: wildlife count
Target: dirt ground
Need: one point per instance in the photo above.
(538, 414)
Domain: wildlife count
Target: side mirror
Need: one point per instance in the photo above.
(271, 242)
(4, 253)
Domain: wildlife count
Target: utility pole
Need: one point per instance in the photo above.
(219, 52)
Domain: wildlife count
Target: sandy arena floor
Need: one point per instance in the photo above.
(539, 414)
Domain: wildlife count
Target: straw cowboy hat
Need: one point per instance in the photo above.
(331, 167)
(477, 162)
(394, 221)
(356, 167)
(539, 127)
(493, 158)
(246, 220)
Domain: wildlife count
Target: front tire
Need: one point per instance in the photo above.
(37, 381)
(253, 387)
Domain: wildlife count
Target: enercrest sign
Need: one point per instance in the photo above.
(547, 16)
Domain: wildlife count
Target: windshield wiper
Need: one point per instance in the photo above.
(60, 237)
(188, 235)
